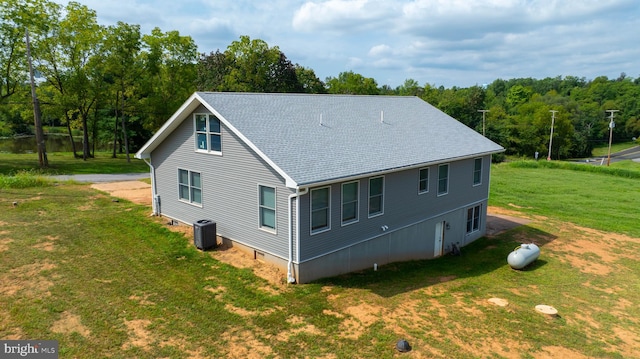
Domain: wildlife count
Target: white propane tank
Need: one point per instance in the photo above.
(523, 255)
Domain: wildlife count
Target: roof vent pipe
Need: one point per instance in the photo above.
(381, 116)
(321, 124)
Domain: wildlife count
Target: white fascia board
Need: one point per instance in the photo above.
(172, 123)
(289, 182)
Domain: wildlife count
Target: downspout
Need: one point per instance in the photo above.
(154, 194)
(290, 278)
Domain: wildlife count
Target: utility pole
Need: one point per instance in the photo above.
(483, 115)
(611, 126)
(42, 151)
(553, 120)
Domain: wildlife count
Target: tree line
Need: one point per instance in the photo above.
(115, 85)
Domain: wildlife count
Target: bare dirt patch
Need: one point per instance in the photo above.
(553, 352)
(134, 191)
(70, 323)
(4, 244)
(139, 336)
(242, 344)
(592, 251)
(299, 326)
(47, 245)
(27, 279)
(362, 316)
(4, 240)
(499, 302)
(10, 333)
(142, 299)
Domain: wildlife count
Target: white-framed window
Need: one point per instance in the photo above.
(423, 180)
(477, 171)
(473, 218)
(189, 186)
(350, 194)
(376, 196)
(208, 133)
(443, 179)
(320, 209)
(267, 207)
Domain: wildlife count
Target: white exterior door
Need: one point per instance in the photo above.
(439, 239)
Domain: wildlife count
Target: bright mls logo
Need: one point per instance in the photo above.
(37, 349)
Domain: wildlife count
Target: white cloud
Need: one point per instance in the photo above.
(339, 15)
(380, 50)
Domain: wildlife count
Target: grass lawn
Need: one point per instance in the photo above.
(106, 280)
(64, 163)
(599, 197)
(615, 147)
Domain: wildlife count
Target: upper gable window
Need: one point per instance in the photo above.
(208, 133)
(477, 171)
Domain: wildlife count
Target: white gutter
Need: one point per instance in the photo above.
(290, 278)
(154, 194)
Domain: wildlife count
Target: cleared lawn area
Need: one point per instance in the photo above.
(106, 280)
(64, 163)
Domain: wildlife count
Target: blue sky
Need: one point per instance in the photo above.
(440, 42)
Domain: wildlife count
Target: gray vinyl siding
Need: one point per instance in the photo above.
(229, 188)
(403, 207)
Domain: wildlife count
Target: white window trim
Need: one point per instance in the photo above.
(473, 213)
(357, 219)
(420, 180)
(448, 173)
(190, 201)
(275, 210)
(328, 227)
(474, 171)
(384, 183)
(195, 133)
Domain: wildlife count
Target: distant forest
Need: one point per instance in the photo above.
(114, 84)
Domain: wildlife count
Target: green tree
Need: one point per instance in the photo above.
(256, 67)
(19, 18)
(169, 76)
(410, 87)
(121, 68)
(517, 95)
(13, 56)
(431, 94)
(65, 54)
(212, 70)
(309, 82)
(352, 83)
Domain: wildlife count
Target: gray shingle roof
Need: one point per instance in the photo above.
(316, 138)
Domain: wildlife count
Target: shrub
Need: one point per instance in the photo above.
(24, 179)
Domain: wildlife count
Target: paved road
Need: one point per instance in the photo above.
(103, 177)
(632, 153)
